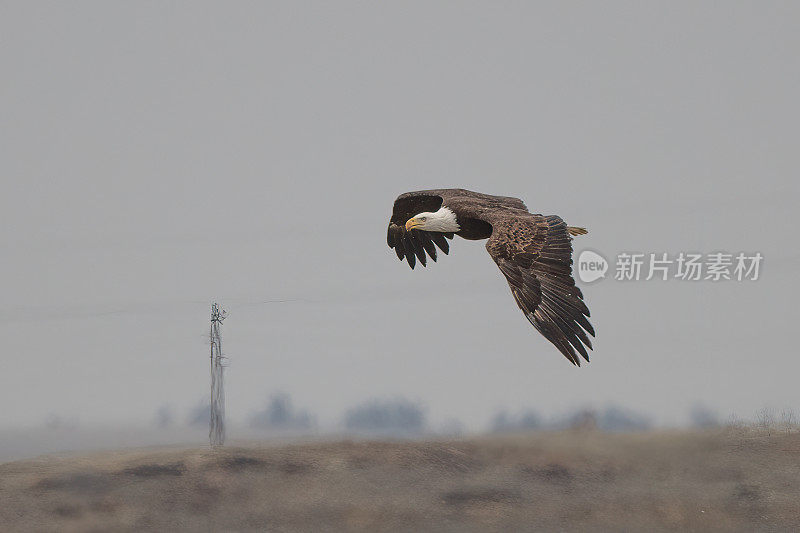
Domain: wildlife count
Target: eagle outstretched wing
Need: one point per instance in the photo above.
(534, 253)
(414, 244)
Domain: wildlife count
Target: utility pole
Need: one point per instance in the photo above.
(216, 429)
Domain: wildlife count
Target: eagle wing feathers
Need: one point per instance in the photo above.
(534, 253)
(415, 244)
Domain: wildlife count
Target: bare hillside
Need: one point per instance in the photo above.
(572, 481)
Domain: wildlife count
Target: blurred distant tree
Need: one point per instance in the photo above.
(281, 414)
(397, 416)
(765, 419)
(734, 421)
(527, 421)
(452, 427)
(610, 419)
(500, 422)
(702, 417)
(617, 419)
(200, 414)
(54, 421)
(788, 419)
(582, 419)
(164, 417)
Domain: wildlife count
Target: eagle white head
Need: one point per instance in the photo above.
(443, 220)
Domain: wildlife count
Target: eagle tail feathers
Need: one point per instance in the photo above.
(574, 230)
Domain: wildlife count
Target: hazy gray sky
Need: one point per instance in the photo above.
(158, 155)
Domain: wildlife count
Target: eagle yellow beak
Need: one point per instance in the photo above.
(412, 223)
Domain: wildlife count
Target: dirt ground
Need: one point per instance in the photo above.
(724, 480)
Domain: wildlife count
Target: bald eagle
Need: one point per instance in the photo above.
(534, 253)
